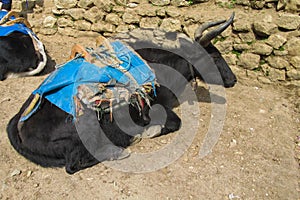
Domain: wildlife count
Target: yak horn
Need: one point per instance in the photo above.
(205, 40)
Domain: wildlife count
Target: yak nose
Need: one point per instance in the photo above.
(146, 119)
(230, 83)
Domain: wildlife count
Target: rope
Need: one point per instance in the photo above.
(7, 21)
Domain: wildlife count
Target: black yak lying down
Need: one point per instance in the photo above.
(52, 137)
(21, 52)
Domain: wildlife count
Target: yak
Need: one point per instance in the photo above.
(21, 51)
(52, 137)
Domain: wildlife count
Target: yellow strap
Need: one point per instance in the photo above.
(31, 105)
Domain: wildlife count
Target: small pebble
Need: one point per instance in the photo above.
(132, 5)
(29, 173)
(232, 143)
(15, 172)
(163, 141)
(262, 111)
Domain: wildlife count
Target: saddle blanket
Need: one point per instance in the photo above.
(84, 81)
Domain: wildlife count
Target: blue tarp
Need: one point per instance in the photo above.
(60, 86)
(6, 30)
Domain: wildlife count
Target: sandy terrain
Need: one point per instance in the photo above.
(253, 159)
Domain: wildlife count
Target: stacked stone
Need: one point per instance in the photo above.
(89, 17)
(268, 43)
(287, 5)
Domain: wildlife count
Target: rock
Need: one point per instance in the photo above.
(264, 27)
(160, 2)
(147, 10)
(35, 21)
(261, 49)
(82, 25)
(231, 59)
(170, 24)
(288, 21)
(87, 34)
(242, 2)
(151, 131)
(293, 74)
(76, 13)
(113, 18)
(58, 12)
(293, 5)
(247, 37)
(67, 31)
(251, 74)
(233, 143)
(15, 172)
(29, 173)
(293, 46)
(276, 40)
(227, 33)
(118, 9)
(273, 74)
(49, 22)
(64, 22)
(249, 60)
(132, 5)
(241, 25)
(190, 30)
(94, 15)
(280, 52)
(193, 18)
(295, 61)
(280, 4)
(65, 4)
(293, 83)
(225, 46)
(258, 4)
(264, 80)
(131, 18)
(161, 12)
(276, 74)
(292, 34)
(180, 3)
(85, 3)
(277, 62)
(241, 47)
(122, 28)
(105, 5)
(48, 31)
(172, 12)
(103, 27)
(150, 22)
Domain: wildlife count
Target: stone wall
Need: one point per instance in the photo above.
(268, 43)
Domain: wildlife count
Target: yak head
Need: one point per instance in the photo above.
(227, 75)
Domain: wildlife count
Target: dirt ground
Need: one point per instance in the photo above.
(255, 157)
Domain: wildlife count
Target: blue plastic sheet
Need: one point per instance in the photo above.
(60, 86)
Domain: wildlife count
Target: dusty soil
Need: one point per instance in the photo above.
(255, 157)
